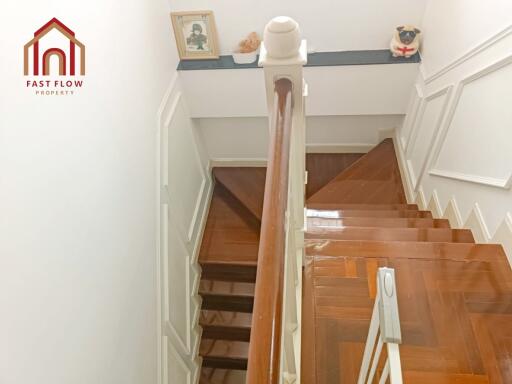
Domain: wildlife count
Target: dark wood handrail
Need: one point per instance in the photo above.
(265, 343)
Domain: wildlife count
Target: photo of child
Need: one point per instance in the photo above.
(196, 35)
(196, 39)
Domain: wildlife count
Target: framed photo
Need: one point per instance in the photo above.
(196, 35)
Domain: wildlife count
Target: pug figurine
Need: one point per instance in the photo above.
(405, 41)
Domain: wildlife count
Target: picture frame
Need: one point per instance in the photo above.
(196, 35)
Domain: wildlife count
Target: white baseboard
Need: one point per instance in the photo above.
(420, 199)
(232, 162)
(452, 213)
(386, 134)
(503, 236)
(434, 205)
(476, 223)
(340, 148)
(402, 165)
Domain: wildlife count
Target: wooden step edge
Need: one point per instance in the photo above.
(406, 249)
(377, 207)
(339, 214)
(391, 234)
(378, 222)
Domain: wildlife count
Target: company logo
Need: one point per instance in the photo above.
(55, 55)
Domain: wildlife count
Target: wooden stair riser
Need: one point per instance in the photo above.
(227, 303)
(228, 272)
(226, 333)
(224, 363)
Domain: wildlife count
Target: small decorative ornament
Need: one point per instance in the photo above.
(196, 35)
(405, 41)
(247, 50)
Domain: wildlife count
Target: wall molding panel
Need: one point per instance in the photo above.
(506, 182)
(462, 177)
(179, 237)
(476, 179)
(410, 118)
(444, 92)
(482, 46)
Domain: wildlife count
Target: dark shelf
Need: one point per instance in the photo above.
(317, 59)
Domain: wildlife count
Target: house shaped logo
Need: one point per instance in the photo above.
(54, 39)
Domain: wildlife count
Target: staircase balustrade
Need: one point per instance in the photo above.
(275, 343)
(384, 330)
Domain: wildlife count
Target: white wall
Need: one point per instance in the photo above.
(455, 144)
(333, 90)
(78, 196)
(328, 25)
(246, 139)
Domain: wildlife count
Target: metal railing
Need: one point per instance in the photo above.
(384, 331)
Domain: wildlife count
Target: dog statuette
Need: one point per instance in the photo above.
(405, 41)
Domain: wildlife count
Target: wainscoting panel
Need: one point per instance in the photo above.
(410, 118)
(177, 370)
(425, 132)
(186, 176)
(184, 192)
(476, 145)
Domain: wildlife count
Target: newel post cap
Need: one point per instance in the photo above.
(281, 37)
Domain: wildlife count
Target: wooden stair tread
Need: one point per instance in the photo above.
(215, 287)
(226, 354)
(221, 376)
(225, 319)
(392, 234)
(425, 377)
(341, 206)
(231, 234)
(247, 184)
(407, 249)
(383, 222)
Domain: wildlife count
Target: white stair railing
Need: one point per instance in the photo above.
(384, 330)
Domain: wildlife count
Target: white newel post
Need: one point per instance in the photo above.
(283, 55)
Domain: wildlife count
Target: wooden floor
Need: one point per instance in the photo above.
(454, 296)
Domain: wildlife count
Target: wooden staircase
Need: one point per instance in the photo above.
(228, 258)
(454, 295)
